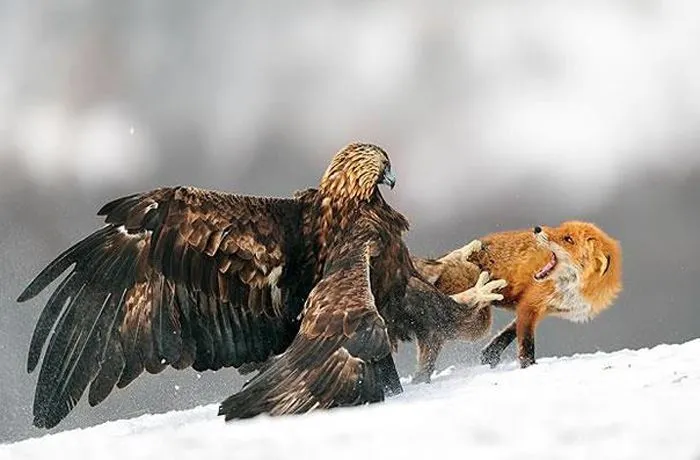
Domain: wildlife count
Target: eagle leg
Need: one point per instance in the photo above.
(389, 377)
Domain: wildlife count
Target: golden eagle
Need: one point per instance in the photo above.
(186, 277)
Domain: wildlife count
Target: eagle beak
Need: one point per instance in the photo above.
(388, 178)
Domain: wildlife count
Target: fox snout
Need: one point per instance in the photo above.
(540, 235)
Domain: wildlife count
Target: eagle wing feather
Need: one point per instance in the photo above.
(178, 276)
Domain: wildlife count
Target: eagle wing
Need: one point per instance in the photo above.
(178, 276)
(335, 359)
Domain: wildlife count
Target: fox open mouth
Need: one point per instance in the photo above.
(547, 269)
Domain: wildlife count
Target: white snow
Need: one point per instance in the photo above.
(627, 404)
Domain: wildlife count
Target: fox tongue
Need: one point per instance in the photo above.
(547, 268)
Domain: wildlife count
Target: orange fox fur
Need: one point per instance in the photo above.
(572, 271)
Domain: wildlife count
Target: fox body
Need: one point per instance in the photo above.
(572, 271)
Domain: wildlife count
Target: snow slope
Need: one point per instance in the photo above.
(627, 404)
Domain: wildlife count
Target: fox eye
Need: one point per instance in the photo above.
(568, 239)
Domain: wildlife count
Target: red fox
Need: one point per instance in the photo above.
(572, 271)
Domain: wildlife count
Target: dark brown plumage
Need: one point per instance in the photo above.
(334, 359)
(187, 277)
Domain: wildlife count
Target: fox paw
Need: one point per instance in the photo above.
(490, 357)
(483, 292)
(421, 377)
(464, 253)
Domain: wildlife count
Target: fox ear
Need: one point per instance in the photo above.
(604, 263)
(602, 260)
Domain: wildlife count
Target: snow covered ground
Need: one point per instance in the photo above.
(627, 404)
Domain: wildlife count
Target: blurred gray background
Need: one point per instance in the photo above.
(496, 114)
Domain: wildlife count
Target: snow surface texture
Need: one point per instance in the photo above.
(627, 404)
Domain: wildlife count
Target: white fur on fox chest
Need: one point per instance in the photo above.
(567, 301)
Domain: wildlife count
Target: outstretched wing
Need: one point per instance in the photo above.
(334, 359)
(178, 276)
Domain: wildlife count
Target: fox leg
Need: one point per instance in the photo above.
(428, 351)
(526, 323)
(491, 354)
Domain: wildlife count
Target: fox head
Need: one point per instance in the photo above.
(595, 256)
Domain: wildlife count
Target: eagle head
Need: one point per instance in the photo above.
(356, 171)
